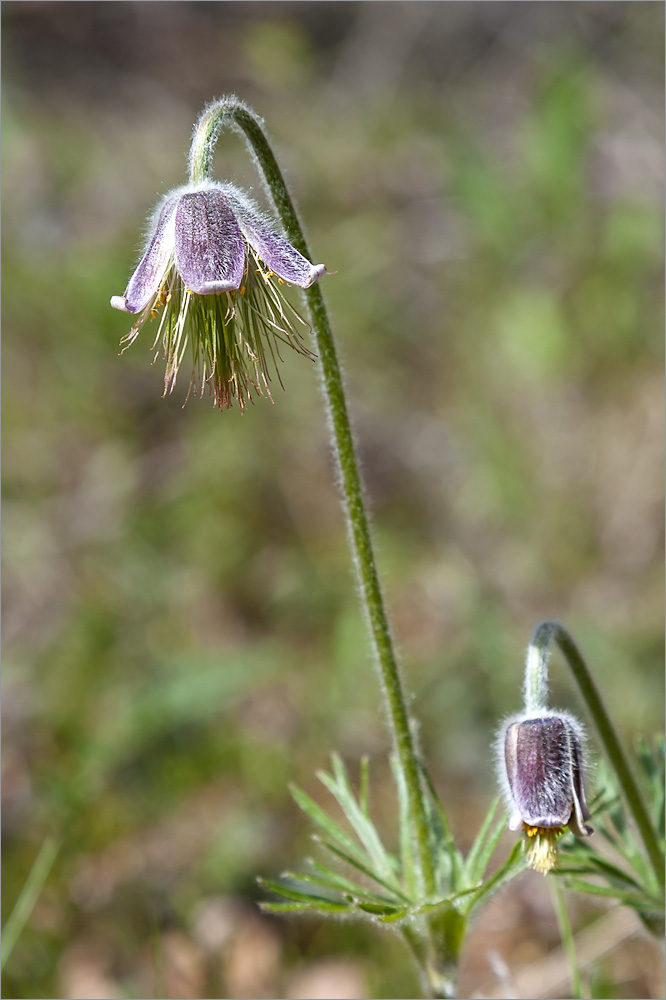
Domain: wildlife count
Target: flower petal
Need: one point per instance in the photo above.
(275, 251)
(146, 280)
(538, 761)
(580, 810)
(515, 820)
(209, 248)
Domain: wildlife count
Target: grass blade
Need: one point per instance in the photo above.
(29, 895)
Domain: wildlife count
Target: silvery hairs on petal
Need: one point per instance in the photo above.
(275, 251)
(208, 243)
(147, 278)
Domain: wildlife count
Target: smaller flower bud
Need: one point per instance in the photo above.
(540, 760)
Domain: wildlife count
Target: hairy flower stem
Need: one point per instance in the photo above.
(436, 958)
(232, 112)
(536, 679)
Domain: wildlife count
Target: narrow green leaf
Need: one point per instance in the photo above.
(641, 866)
(363, 795)
(393, 918)
(602, 802)
(646, 760)
(609, 835)
(365, 870)
(339, 787)
(448, 902)
(583, 860)
(304, 908)
(308, 879)
(283, 907)
(340, 885)
(321, 819)
(484, 844)
(638, 902)
(651, 762)
(444, 837)
(407, 912)
(336, 880)
(437, 803)
(657, 800)
(410, 871)
(394, 914)
(603, 867)
(287, 892)
(506, 871)
(375, 908)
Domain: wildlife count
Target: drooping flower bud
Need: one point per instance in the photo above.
(541, 765)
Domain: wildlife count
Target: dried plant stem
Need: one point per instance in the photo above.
(232, 112)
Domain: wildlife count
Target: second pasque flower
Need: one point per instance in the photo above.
(541, 766)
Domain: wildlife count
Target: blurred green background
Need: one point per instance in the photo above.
(181, 632)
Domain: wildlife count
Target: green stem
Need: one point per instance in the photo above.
(30, 893)
(542, 637)
(535, 687)
(566, 934)
(439, 979)
(230, 111)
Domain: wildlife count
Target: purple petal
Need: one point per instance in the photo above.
(209, 247)
(275, 251)
(146, 280)
(539, 762)
(580, 811)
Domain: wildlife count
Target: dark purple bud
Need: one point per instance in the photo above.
(544, 771)
(275, 251)
(146, 280)
(208, 243)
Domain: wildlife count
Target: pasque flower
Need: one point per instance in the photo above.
(541, 767)
(540, 763)
(212, 271)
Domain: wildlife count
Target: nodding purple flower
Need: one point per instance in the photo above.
(540, 760)
(214, 266)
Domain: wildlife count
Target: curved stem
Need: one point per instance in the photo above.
(535, 686)
(230, 111)
(542, 637)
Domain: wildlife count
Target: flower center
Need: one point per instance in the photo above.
(542, 847)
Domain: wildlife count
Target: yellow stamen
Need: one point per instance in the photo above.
(542, 847)
(160, 299)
